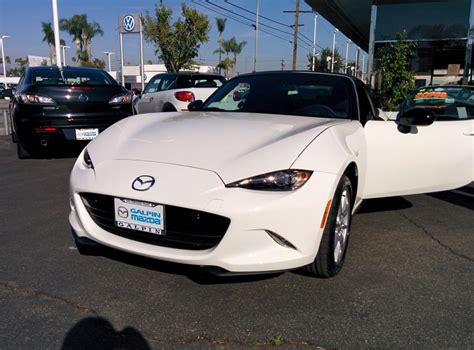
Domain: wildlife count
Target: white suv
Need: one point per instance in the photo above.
(170, 92)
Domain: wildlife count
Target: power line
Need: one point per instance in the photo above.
(250, 19)
(266, 31)
(253, 13)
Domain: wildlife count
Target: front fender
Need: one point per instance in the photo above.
(334, 149)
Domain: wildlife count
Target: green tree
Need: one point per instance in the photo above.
(236, 48)
(226, 64)
(7, 60)
(220, 22)
(82, 32)
(393, 64)
(176, 44)
(48, 37)
(323, 61)
(96, 63)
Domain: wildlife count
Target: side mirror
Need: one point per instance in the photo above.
(415, 117)
(195, 105)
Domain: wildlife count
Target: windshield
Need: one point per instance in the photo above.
(302, 94)
(53, 76)
(447, 102)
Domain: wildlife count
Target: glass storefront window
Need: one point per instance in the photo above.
(423, 20)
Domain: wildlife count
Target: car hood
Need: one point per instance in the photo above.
(233, 145)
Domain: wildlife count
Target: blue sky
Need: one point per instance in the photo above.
(22, 19)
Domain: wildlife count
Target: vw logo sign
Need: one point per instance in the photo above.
(83, 98)
(143, 183)
(128, 23)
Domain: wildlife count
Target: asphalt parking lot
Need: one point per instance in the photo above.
(407, 282)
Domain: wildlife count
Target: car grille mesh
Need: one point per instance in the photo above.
(185, 228)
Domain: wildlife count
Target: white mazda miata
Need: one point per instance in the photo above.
(266, 174)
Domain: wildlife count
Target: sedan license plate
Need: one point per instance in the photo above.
(86, 134)
(140, 216)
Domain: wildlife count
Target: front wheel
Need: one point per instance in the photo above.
(333, 247)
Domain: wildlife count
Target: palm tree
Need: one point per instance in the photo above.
(225, 64)
(220, 28)
(89, 31)
(236, 48)
(227, 46)
(49, 39)
(74, 26)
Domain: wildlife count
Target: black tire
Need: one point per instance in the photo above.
(23, 153)
(169, 108)
(325, 264)
(14, 137)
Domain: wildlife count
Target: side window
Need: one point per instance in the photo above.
(365, 106)
(168, 83)
(153, 85)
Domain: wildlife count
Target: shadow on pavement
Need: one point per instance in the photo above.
(462, 197)
(195, 273)
(99, 333)
(384, 204)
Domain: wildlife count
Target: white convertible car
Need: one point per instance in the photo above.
(266, 174)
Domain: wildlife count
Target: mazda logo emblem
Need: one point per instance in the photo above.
(83, 98)
(128, 23)
(143, 183)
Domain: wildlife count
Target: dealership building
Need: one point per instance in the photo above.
(440, 28)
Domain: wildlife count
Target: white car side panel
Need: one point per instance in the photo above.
(333, 150)
(431, 158)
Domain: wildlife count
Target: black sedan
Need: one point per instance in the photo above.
(71, 105)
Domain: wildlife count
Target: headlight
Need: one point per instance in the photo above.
(283, 180)
(121, 99)
(36, 99)
(87, 160)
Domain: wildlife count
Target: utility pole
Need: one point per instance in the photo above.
(3, 37)
(295, 35)
(64, 47)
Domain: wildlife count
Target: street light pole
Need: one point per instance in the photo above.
(333, 49)
(347, 55)
(313, 65)
(64, 52)
(2, 37)
(256, 38)
(57, 42)
(108, 53)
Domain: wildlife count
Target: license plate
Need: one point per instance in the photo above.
(140, 216)
(86, 134)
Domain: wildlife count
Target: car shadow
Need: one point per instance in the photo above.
(99, 333)
(197, 274)
(384, 204)
(58, 152)
(462, 197)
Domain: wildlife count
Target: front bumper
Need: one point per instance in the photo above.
(246, 246)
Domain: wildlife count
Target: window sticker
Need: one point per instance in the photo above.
(431, 95)
(462, 112)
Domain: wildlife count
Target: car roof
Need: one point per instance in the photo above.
(193, 74)
(65, 68)
(286, 72)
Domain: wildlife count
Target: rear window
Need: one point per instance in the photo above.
(184, 82)
(71, 77)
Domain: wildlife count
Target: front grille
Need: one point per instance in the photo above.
(184, 228)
